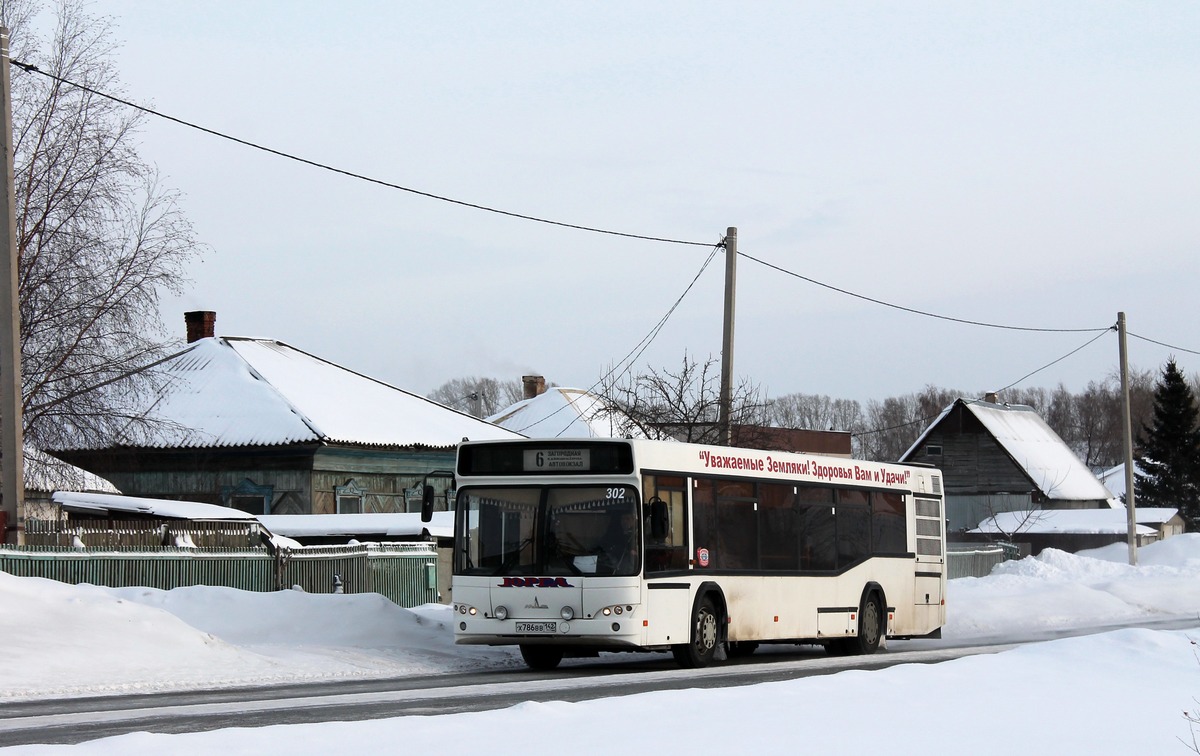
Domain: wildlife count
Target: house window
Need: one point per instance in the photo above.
(248, 497)
(349, 498)
(933, 450)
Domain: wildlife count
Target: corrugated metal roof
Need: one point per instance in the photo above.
(182, 510)
(563, 413)
(230, 392)
(47, 474)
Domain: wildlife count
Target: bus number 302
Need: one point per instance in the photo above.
(615, 493)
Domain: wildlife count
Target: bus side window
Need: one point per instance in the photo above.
(666, 550)
(817, 528)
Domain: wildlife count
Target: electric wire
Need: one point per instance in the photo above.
(1168, 346)
(630, 358)
(912, 310)
(922, 420)
(908, 424)
(640, 348)
(1089, 342)
(30, 68)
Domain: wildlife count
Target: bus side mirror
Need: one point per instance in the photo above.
(427, 497)
(658, 519)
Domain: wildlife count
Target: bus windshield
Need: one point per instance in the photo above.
(548, 531)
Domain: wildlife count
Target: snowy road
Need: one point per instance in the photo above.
(82, 719)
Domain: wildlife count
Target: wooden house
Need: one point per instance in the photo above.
(1002, 458)
(260, 426)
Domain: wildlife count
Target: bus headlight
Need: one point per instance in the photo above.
(567, 613)
(501, 612)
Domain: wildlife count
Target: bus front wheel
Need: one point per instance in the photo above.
(541, 657)
(705, 634)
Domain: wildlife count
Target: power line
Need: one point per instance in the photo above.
(910, 423)
(1060, 359)
(630, 358)
(918, 421)
(912, 310)
(1168, 346)
(30, 68)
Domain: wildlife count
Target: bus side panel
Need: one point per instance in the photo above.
(770, 607)
(668, 612)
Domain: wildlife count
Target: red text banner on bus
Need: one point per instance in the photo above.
(821, 471)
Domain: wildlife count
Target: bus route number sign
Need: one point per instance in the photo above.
(578, 460)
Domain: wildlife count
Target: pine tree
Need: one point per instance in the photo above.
(1169, 453)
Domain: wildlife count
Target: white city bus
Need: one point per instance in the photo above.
(569, 547)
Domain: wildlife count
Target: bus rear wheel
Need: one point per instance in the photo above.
(705, 633)
(870, 631)
(541, 657)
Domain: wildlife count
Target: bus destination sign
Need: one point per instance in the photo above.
(558, 460)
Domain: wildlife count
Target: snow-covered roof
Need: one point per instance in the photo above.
(565, 413)
(368, 524)
(1114, 479)
(1076, 521)
(1153, 515)
(223, 392)
(179, 510)
(1033, 446)
(48, 474)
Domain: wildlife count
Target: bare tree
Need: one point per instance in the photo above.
(485, 396)
(892, 427)
(98, 236)
(815, 412)
(684, 404)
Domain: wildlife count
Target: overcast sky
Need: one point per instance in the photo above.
(1030, 164)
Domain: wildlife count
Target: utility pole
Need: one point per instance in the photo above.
(725, 402)
(1127, 430)
(12, 454)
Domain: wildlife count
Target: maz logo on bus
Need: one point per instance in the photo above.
(535, 582)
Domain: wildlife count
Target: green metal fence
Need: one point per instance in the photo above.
(406, 573)
(975, 562)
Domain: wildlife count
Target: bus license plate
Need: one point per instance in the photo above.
(537, 627)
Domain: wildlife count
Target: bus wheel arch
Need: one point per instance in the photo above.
(872, 621)
(706, 630)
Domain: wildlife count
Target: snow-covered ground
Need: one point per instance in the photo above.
(1119, 692)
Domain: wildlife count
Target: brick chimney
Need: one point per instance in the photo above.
(991, 397)
(201, 324)
(535, 385)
